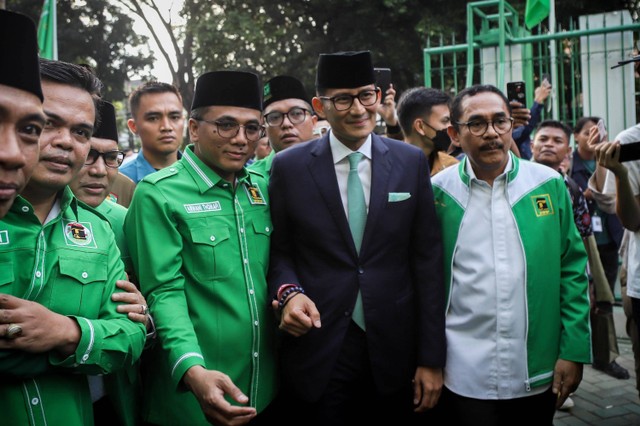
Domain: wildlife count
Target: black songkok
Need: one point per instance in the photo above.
(228, 88)
(344, 70)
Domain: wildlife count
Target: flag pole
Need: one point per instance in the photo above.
(556, 86)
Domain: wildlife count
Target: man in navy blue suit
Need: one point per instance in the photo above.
(357, 280)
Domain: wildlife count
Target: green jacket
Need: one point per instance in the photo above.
(263, 166)
(70, 265)
(200, 249)
(555, 260)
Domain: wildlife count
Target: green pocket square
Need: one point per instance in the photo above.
(399, 196)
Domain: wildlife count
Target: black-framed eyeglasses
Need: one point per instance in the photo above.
(344, 101)
(229, 129)
(111, 159)
(479, 127)
(296, 115)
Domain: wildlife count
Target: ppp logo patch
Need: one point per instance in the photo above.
(542, 205)
(79, 234)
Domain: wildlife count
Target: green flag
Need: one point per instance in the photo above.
(536, 11)
(47, 31)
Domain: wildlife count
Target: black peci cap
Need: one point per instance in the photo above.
(283, 87)
(228, 88)
(107, 128)
(19, 53)
(344, 70)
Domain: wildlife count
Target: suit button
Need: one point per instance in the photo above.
(347, 314)
(360, 270)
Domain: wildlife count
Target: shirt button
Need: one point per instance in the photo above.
(85, 357)
(85, 275)
(35, 401)
(212, 238)
(25, 209)
(251, 291)
(38, 274)
(246, 261)
(172, 169)
(255, 354)
(241, 230)
(266, 229)
(255, 323)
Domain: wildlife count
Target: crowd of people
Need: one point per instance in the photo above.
(293, 264)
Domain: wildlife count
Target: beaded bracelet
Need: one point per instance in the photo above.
(287, 293)
(282, 288)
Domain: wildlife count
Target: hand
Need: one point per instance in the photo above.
(520, 114)
(298, 316)
(608, 156)
(542, 92)
(135, 304)
(567, 375)
(209, 388)
(427, 387)
(42, 329)
(387, 108)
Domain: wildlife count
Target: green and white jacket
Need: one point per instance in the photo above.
(556, 296)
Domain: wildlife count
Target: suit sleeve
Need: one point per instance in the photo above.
(281, 266)
(427, 267)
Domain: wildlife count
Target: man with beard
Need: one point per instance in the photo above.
(512, 248)
(60, 267)
(423, 114)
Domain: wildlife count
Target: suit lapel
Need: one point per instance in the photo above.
(323, 174)
(380, 173)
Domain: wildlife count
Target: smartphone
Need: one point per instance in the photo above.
(630, 151)
(546, 76)
(602, 129)
(516, 92)
(383, 79)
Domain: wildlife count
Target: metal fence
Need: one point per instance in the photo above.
(498, 49)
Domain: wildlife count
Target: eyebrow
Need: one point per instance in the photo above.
(57, 118)
(482, 117)
(230, 118)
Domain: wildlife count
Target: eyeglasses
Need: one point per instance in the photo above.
(295, 115)
(229, 129)
(343, 102)
(479, 127)
(112, 159)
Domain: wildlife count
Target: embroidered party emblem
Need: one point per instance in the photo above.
(255, 195)
(542, 205)
(78, 234)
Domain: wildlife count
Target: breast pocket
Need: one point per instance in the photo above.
(206, 257)
(259, 241)
(80, 285)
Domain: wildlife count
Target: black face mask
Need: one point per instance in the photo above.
(441, 140)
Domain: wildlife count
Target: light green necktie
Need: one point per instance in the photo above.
(357, 211)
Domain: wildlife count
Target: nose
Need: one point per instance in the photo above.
(99, 168)
(241, 137)
(60, 137)
(286, 122)
(165, 123)
(11, 156)
(357, 108)
(491, 131)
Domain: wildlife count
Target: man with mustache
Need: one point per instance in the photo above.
(288, 115)
(424, 117)
(21, 115)
(518, 307)
(157, 118)
(60, 267)
(199, 233)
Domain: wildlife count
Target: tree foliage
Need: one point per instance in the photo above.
(97, 33)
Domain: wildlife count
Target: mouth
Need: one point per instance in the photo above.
(8, 190)
(94, 188)
(57, 163)
(289, 138)
(493, 147)
(237, 156)
(167, 138)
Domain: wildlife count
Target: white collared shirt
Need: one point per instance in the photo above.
(340, 153)
(486, 321)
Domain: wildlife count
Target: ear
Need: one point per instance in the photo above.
(314, 119)
(193, 129)
(417, 127)
(454, 135)
(318, 106)
(132, 126)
